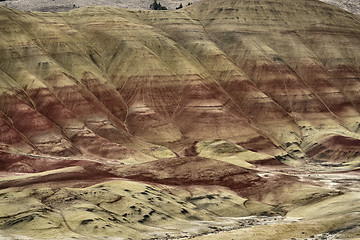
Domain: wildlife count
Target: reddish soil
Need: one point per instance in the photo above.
(187, 171)
(336, 148)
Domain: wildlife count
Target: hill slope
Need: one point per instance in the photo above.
(352, 6)
(231, 106)
(250, 72)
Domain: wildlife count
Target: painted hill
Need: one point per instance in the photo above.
(352, 6)
(221, 109)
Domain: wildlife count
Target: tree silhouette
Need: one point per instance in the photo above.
(180, 6)
(157, 6)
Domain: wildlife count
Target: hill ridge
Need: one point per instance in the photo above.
(224, 115)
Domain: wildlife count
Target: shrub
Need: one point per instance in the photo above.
(157, 6)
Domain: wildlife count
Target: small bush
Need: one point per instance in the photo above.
(157, 6)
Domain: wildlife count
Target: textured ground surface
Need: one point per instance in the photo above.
(228, 118)
(352, 6)
(349, 5)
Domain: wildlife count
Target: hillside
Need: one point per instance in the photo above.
(352, 6)
(157, 124)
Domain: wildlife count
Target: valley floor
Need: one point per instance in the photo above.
(321, 205)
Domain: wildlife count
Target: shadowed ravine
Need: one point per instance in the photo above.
(222, 120)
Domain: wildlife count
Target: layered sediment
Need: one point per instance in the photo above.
(220, 109)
